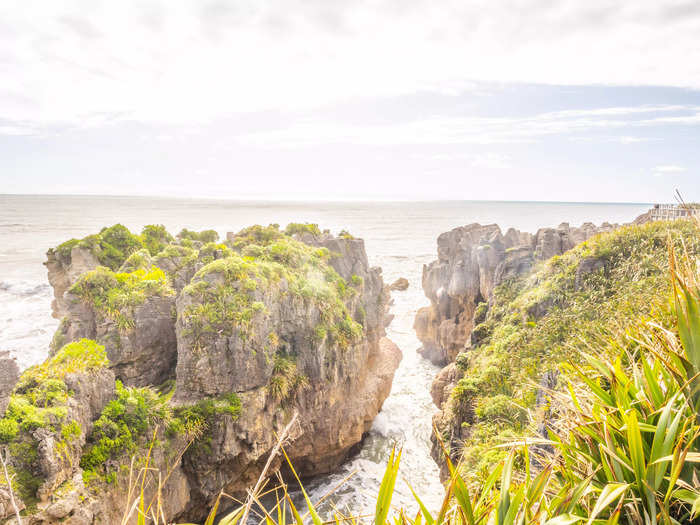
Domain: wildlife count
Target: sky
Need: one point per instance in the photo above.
(352, 100)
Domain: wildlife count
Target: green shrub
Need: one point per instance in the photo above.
(112, 246)
(286, 380)
(122, 428)
(8, 430)
(155, 238)
(302, 227)
(205, 236)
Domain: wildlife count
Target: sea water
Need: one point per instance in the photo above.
(400, 237)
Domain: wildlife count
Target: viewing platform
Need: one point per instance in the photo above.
(667, 212)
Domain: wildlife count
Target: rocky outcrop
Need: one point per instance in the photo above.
(239, 336)
(45, 428)
(472, 261)
(290, 355)
(399, 285)
(64, 267)
(328, 428)
(140, 355)
(9, 373)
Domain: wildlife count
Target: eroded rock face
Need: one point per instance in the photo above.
(472, 261)
(64, 270)
(9, 373)
(328, 428)
(284, 327)
(145, 354)
(58, 457)
(245, 361)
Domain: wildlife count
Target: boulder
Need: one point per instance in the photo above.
(399, 284)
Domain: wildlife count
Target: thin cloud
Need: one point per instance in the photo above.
(668, 169)
(470, 130)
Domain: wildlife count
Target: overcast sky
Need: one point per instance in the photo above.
(329, 99)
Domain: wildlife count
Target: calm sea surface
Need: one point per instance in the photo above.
(399, 237)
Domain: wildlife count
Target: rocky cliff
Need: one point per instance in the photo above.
(506, 319)
(201, 352)
(472, 261)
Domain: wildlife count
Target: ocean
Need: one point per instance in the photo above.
(400, 237)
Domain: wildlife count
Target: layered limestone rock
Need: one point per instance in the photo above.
(214, 348)
(472, 261)
(305, 342)
(64, 267)
(138, 329)
(9, 373)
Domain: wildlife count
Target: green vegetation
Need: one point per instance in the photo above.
(155, 238)
(541, 320)
(116, 295)
(114, 244)
(256, 236)
(176, 258)
(197, 418)
(204, 236)
(228, 293)
(140, 260)
(40, 397)
(302, 227)
(212, 251)
(40, 400)
(139, 418)
(286, 380)
(121, 429)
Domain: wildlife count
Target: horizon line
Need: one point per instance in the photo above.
(312, 200)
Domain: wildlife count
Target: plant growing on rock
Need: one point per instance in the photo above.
(537, 321)
(116, 295)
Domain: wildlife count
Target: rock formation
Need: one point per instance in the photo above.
(505, 319)
(213, 345)
(472, 260)
(9, 373)
(399, 284)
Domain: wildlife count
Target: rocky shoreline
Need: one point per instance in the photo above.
(192, 355)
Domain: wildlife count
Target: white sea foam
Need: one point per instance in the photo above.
(26, 325)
